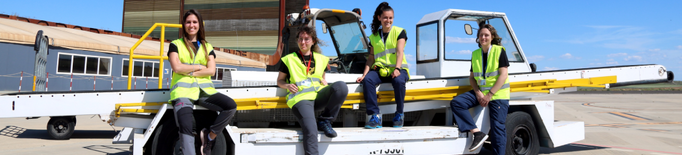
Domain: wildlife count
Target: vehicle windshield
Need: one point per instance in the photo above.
(348, 38)
(458, 45)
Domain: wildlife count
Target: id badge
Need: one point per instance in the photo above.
(481, 82)
(306, 83)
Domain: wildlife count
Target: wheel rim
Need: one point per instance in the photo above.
(522, 140)
(61, 126)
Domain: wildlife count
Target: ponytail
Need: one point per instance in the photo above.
(375, 19)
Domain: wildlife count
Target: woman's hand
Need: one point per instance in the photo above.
(486, 99)
(360, 79)
(324, 82)
(292, 88)
(481, 98)
(396, 73)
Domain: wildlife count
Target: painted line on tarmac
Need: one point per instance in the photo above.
(629, 116)
(654, 130)
(628, 148)
(590, 104)
(623, 125)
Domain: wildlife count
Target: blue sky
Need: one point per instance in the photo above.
(552, 34)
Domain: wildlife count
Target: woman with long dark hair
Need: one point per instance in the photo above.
(193, 62)
(386, 63)
(490, 84)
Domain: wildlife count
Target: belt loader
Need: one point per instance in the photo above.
(149, 126)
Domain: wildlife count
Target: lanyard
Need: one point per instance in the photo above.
(198, 43)
(487, 56)
(308, 65)
(382, 36)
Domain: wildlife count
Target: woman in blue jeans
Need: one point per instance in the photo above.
(490, 84)
(388, 64)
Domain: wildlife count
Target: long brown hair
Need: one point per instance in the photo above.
(378, 12)
(497, 40)
(201, 36)
(313, 35)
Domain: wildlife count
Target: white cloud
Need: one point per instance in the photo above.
(449, 40)
(535, 58)
(616, 37)
(608, 62)
(678, 31)
(679, 46)
(464, 52)
(654, 50)
(551, 68)
(567, 56)
(634, 57)
(410, 57)
(617, 54)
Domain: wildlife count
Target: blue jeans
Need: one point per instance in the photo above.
(369, 85)
(498, 115)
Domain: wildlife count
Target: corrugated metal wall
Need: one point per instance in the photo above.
(140, 15)
(245, 25)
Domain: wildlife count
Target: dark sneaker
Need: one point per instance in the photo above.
(479, 139)
(326, 127)
(373, 121)
(206, 144)
(398, 120)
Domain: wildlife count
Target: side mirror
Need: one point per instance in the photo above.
(324, 28)
(468, 29)
(363, 25)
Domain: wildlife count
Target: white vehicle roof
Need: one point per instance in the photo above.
(442, 15)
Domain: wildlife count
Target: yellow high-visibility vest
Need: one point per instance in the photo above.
(486, 80)
(385, 53)
(308, 84)
(185, 86)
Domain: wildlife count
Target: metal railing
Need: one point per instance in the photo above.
(160, 57)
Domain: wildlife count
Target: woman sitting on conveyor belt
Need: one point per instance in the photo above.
(490, 84)
(302, 74)
(193, 65)
(386, 63)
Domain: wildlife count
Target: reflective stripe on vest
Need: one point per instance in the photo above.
(309, 80)
(191, 85)
(404, 66)
(387, 51)
(305, 90)
(495, 73)
(506, 85)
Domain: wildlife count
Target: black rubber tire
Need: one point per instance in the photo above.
(671, 77)
(522, 138)
(165, 136)
(61, 128)
(167, 140)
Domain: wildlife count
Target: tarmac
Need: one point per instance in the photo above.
(614, 124)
